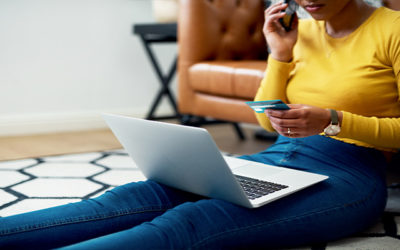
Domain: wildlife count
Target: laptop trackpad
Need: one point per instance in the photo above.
(256, 171)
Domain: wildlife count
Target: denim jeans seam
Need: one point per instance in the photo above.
(83, 219)
(305, 215)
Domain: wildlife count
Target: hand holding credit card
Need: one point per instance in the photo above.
(261, 106)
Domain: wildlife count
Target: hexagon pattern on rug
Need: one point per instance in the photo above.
(32, 184)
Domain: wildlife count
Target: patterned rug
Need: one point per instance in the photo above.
(31, 184)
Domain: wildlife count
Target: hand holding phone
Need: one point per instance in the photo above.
(280, 42)
(287, 20)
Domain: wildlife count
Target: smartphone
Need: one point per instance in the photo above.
(261, 106)
(287, 20)
(267, 3)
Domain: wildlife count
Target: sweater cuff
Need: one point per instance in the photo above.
(346, 126)
(283, 68)
(279, 69)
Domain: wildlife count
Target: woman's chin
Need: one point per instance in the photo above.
(318, 17)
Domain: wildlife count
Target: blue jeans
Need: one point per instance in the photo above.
(148, 215)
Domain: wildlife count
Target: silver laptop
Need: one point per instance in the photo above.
(187, 158)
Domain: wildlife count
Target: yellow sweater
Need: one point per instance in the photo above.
(358, 74)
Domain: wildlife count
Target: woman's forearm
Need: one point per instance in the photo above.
(379, 132)
(272, 87)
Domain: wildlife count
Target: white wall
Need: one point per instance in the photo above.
(63, 62)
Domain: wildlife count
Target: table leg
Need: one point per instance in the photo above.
(165, 81)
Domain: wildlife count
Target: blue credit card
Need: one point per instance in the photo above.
(261, 106)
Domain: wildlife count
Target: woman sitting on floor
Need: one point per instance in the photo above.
(345, 62)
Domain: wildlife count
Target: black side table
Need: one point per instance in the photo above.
(159, 33)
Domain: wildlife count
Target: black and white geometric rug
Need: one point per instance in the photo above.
(32, 184)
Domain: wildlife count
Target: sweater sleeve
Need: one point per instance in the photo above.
(394, 50)
(379, 132)
(273, 86)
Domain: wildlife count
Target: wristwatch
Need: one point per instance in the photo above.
(334, 127)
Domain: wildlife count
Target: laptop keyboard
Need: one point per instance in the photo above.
(254, 188)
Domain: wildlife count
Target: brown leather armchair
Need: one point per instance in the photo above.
(222, 58)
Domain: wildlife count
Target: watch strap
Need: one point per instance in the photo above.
(334, 117)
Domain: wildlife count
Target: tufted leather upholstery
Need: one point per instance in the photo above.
(222, 57)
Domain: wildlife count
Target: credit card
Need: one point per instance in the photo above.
(261, 106)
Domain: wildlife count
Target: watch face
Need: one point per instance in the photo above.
(332, 130)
